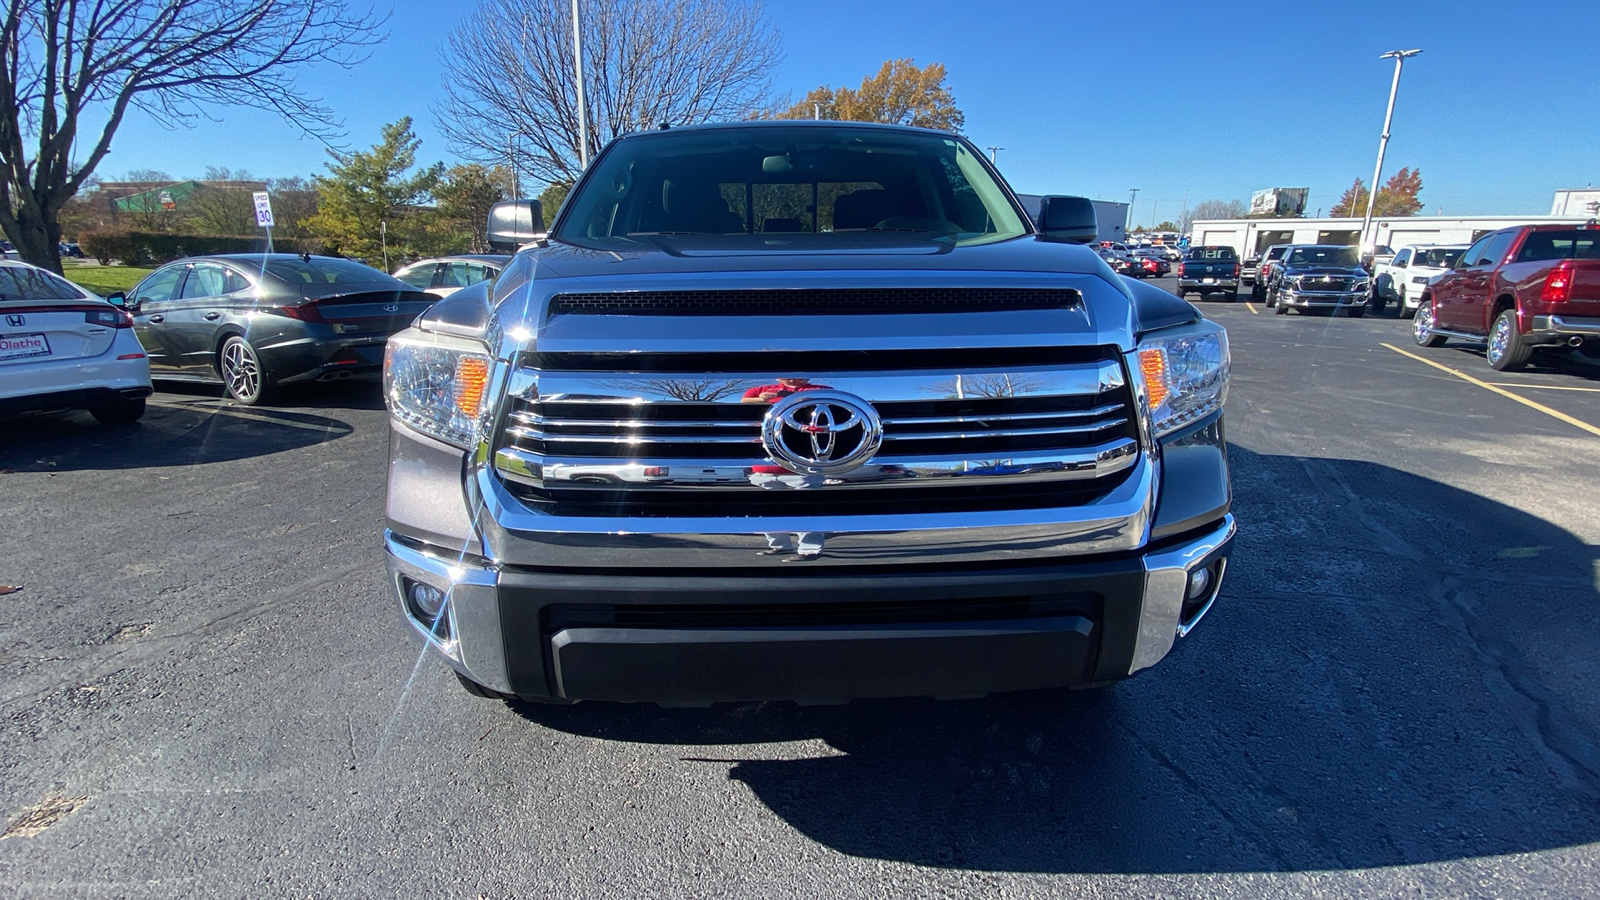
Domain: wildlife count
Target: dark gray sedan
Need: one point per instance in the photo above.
(254, 322)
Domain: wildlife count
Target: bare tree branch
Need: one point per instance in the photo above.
(511, 94)
(169, 58)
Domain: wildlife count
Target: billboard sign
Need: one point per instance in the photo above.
(1279, 202)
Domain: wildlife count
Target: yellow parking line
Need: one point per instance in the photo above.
(1547, 387)
(1576, 423)
(1252, 307)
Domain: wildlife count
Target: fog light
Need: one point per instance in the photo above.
(1199, 583)
(426, 605)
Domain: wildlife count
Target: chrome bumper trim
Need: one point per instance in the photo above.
(905, 473)
(518, 535)
(1315, 298)
(1557, 328)
(474, 646)
(1165, 584)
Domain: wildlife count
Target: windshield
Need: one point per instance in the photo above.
(1342, 257)
(1437, 258)
(743, 182)
(23, 283)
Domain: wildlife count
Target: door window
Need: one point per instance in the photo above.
(1496, 250)
(158, 287)
(1402, 258)
(1471, 257)
(205, 280)
(460, 275)
(419, 276)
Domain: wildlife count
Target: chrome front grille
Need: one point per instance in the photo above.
(660, 440)
(1332, 284)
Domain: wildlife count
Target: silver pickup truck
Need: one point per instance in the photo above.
(803, 411)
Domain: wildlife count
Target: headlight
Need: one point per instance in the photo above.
(1185, 376)
(435, 384)
(1360, 286)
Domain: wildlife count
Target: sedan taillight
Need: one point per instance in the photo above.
(109, 317)
(306, 312)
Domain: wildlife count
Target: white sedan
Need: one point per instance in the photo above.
(62, 348)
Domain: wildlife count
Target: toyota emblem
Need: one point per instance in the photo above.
(821, 432)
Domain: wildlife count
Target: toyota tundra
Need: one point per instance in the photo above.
(803, 411)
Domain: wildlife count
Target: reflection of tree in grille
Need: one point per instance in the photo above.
(987, 387)
(689, 390)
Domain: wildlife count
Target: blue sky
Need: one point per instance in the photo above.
(1208, 100)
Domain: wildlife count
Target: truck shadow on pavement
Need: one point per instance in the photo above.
(186, 429)
(1398, 672)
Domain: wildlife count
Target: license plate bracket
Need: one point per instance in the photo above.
(18, 347)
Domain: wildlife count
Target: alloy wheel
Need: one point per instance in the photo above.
(241, 371)
(1422, 325)
(1499, 340)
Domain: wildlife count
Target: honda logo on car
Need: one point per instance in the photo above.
(16, 321)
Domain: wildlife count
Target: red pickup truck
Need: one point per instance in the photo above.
(1516, 290)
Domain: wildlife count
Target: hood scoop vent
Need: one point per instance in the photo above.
(810, 301)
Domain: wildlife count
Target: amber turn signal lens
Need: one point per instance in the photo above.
(1153, 366)
(472, 376)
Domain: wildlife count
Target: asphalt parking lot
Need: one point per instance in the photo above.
(207, 691)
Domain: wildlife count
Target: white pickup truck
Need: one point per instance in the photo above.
(1403, 278)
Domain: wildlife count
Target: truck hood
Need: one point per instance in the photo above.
(863, 252)
(1114, 311)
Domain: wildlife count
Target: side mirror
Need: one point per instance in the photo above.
(118, 298)
(513, 223)
(1068, 219)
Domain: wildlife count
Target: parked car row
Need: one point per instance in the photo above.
(250, 322)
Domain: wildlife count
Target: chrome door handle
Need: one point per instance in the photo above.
(212, 316)
(158, 318)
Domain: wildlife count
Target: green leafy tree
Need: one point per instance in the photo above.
(900, 94)
(465, 195)
(368, 193)
(551, 199)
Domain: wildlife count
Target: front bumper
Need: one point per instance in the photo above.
(708, 636)
(1321, 300)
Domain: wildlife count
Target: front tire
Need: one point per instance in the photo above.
(1508, 351)
(125, 412)
(246, 379)
(1357, 312)
(1422, 327)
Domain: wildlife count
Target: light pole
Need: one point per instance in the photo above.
(1399, 57)
(1127, 226)
(992, 152)
(583, 118)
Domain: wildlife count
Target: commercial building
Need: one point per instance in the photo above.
(1249, 237)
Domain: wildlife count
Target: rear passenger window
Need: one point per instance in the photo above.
(1575, 244)
(205, 281)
